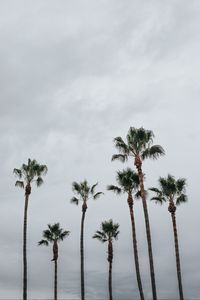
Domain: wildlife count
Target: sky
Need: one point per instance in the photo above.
(74, 75)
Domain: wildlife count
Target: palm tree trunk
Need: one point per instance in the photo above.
(84, 207)
(178, 266)
(148, 230)
(55, 279)
(27, 193)
(134, 238)
(110, 258)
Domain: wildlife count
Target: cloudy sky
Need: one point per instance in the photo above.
(74, 75)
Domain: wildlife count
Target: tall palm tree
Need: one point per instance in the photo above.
(54, 234)
(128, 183)
(139, 146)
(83, 192)
(173, 191)
(27, 174)
(108, 232)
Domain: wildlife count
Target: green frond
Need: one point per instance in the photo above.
(39, 181)
(121, 145)
(155, 190)
(42, 170)
(160, 197)
(114, 188)
(19, 184)
(181, 184)
(137, 195)
(18, 172)
(181, 199)
(153, 152)
(74, 200)
(101, 236)
(43, 242)
(93, 188)
(97, 195)
(76, 187)
(63, 235)
(120, 157)
(158, 200)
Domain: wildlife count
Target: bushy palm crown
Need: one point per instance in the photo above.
(138, 143)
(170, 189)
(109, 231)
(53, 233)
(84, 191)
(127, 180)
(33, 171)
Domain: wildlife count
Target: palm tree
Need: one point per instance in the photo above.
(139, 147)
(173, 191)
(32, 172)
(128, 182)
(54, 234)
(84, 192)
(108, 232)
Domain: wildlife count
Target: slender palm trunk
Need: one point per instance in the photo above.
(147, 224)
(134, 238)
(110, 259)
(27, 193)
(55, 278)
(178, 265)
(84, 208)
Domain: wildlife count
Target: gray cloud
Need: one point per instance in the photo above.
(74, 76)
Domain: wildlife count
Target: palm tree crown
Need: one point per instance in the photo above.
(170, 190)
(109, 231)
(128, 181)
(33, 171)
(52, 234)
(84, 191)
(138, 144)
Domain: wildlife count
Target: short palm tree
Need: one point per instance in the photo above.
(27, 174)
(108, 232)
(173, 191)
(54, 234)
(128, 183)
(139, 147)
(83, 192)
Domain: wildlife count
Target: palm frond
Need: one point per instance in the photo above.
(42, 170)
(19, 184)
(114, 188)
(39, 181)
(159, 200)
(181, 183)
(43, 242)
(74, 200)
(121, 145)
(63, 234)
(152, 152)
(181, 199)
(97, 195)
(156, 190)
(120, 157)
(18, 172)
(138, 195)
(93, 188)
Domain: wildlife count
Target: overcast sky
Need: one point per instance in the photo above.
(74, 75)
